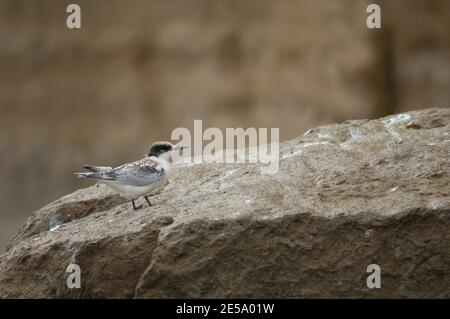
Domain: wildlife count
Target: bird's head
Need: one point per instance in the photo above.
(163, 150)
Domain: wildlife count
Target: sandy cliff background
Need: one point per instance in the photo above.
(138, 69)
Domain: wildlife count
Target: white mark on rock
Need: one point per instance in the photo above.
(54, 227)
(299, 149)
(393, 189)
(396, 119)
(54, 224)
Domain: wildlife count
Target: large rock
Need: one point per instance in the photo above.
(262, 63)
(345, 196)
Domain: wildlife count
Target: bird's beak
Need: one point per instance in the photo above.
(180, 147)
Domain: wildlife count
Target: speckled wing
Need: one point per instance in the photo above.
(140, 173)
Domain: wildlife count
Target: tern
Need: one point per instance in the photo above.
(139, 178)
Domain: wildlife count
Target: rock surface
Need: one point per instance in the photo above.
(345, 196)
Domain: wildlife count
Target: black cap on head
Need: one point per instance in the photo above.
(159, 148)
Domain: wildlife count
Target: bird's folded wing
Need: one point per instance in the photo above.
(93, 168)
(140, 173)
(100, 175)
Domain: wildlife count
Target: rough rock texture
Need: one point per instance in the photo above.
(346, 196)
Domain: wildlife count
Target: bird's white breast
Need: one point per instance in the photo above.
(133, 192)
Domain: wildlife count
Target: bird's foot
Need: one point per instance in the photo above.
(136, 207)
(150, 204)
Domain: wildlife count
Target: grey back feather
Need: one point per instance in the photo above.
(140, 173)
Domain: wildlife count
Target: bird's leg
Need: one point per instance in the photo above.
(150, 204)
(134, 205)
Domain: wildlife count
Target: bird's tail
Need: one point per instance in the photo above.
(96, 172)
(86, 175)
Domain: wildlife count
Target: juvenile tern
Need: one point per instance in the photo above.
(132, 180)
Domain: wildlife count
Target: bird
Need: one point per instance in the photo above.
(134, 179)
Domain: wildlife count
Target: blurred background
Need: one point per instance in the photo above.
(138, 69)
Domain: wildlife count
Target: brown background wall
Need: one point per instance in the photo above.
(138, 69)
